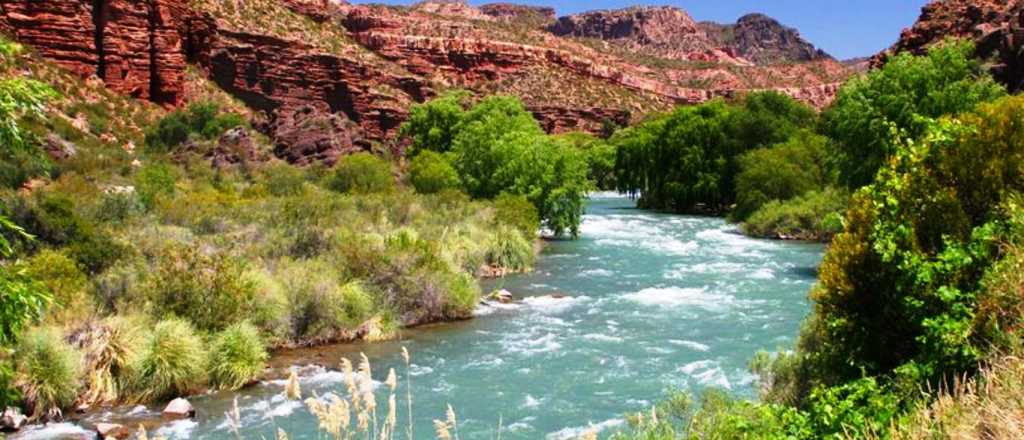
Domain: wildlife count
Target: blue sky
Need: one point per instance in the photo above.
(845, 29)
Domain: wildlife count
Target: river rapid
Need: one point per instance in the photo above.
(652, 302)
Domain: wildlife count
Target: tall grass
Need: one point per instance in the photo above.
(48, 372)
(237, 356)
(172, 363)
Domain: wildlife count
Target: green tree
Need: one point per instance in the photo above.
(433, 125)
(19, 97)
(780, 172)
(688, 160)
(899, 289)
(432, 172)
(874, 114)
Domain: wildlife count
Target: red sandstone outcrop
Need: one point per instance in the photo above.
(996, 26)
(361, 67)
(133, 46)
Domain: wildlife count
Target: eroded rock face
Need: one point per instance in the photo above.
(996, 26)
(133, 46)
(763, 40)
(308, 134)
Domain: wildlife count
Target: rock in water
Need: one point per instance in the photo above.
(179, 408)
(12, 419)
(112, 431)
(503, 296)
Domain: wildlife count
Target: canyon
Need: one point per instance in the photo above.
(369, 63)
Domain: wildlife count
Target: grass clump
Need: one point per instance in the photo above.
(48, 372)
(508, 249)
(362, 173)
(172, 361)
(237, 356)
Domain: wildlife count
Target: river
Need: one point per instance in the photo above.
(653, 302)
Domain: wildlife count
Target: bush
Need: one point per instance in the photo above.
(507, 249)
(362, 173)
(49, 371)
(199, 119)
(780, 173)
(872, 116)
(64, 279)
(172, 362)
(518, 212)
(283, 180)
(153, 181)
(208, 288)
(109, 348)
(431, 173)
(816, 215)
(321, 308)
(237, 356)
(54, 221)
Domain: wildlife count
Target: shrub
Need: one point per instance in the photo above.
(283, 180)
(221, 123)
(208, 288)
(507, 249)
(518, 212)
(22, 299)
(53, 220)
(320, 307)
(49, 371)
(237, 356)
(172, 362)
(431, 173)
(362, 173)
(200, 119)
(779, 173)
(873, 115)
(154, 181)
(118, 206)
(169, 132)
(816, 215)
(64, 279)
(109, 348)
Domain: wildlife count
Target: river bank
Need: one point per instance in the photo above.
(653, 302)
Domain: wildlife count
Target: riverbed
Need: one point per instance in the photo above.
(642, 304)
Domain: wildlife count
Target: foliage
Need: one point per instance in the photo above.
(19, 97)
(432, 172)
(200, 119)
(153, 181)
(509, 250)
(362, 173)
(687, 161)
(900, 288)
(518, 212)
(779, 173)
(62, 276)
(599, 155)
(22, 299)
(496, 147)
(209, 289)
(815, 215)
(172, 362)
(237, 356)
(432, 126)
(48, 371)
(873, 115)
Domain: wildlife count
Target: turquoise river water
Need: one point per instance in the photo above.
(653, 302)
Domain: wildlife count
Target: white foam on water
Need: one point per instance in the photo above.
(491, 307)
(763, 273)
(693, 367)
(635, 231)
(283, 409)
(531, 402)
(553, 305)
(707, 372)
(690, 344)
(50, 431)
(719, 267)
(728, 241)
(527, 345)
(178, 429)
(683, 297)
(596, 273)
(578, 431)
(600, 337)
(419, 370)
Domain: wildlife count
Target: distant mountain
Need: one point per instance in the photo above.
(763, 40)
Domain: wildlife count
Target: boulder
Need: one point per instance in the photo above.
(12, 419)
(236, 146)
(112, 431)
(503, 296)
(179, 408)
(58, 148)
(308, 134)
